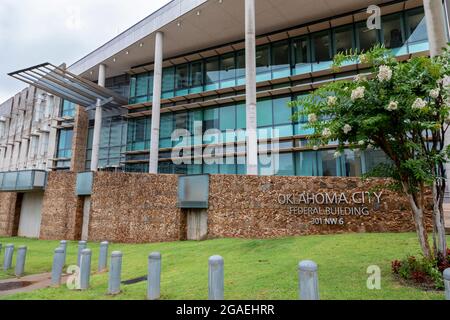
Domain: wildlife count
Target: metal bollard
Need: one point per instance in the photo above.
(308, 280)
(85, 268)
(216, 278)
(63, 245)
(20, 261)
(154, 276)
(9, 252)
(81, 246)
(447, 283)
(115, 273)
(103, 257)
(57, 268)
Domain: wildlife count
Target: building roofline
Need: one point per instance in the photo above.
(143, 28)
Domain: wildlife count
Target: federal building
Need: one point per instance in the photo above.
(86, 150)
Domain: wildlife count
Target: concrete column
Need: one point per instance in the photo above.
(156, 104)
(250, 86)
(98, 121)
(436, 25)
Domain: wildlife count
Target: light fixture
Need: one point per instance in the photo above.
(127, 52)
(141, 44)
(179, 23)
(114, 59)
(199, 12)
(92, 72)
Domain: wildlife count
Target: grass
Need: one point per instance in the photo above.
(254, 269)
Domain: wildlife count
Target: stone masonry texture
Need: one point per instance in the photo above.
(140, 208)
(62, 210)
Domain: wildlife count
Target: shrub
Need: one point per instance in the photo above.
(422, 271)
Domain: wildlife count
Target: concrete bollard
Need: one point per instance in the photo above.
(57, 267)
(115, 273)
(85, 269)
(103, 257)
(308, 280)
(9, 252)
(447, 283)
(63, 245)
(81, 246)
(19, 271)
(154, 276)
(216, 278)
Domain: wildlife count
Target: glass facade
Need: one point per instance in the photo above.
(129, 143)
(403, 32)
(113, 139)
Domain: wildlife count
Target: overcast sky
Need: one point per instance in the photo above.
(57, 31)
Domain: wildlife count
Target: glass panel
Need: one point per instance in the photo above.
(327, 163)
(240, 72)
(227, 118)
(280, 55)
(343, 39)
(182, 77)
(211, 119)
(166, 125)
(366, 38)
(197, 74)
(212, 71)
(417, 31)
(282, 112)
(392, 32)
(322, 47)
(265, 117)
(227, 67)
(241, 121)
(142, 85)
(306, 163)
(352, 164)
(302, 55)
(373, 158)
(168, 79)
(286, 164)
(132, 87)
(262, 59)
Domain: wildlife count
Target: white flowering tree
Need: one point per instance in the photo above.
(401, 108)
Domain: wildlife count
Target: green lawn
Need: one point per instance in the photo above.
(254, 269)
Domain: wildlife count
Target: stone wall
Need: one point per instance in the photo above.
(79, 141)
(139, 208)
(62, 210)
(249, 207)
(8, 214)
(135, 208)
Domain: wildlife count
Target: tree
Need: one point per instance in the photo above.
(401, 108)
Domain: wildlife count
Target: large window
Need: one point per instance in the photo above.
(68, 109)
(65, 143)
(393, 33)
(366, 38)
(416, 29)
(322, 50)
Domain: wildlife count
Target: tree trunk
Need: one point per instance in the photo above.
(438, 220)
(417, 209)
(437, 35)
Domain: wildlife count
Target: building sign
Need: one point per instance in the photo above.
(331, 208)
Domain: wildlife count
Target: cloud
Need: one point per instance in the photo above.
(60, 31)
